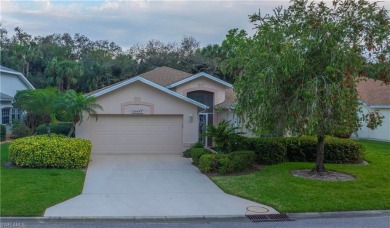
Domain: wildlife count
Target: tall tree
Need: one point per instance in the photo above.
(299, 71)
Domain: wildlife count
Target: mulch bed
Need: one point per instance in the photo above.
(328, 175)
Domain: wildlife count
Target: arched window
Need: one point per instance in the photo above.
(204, 97)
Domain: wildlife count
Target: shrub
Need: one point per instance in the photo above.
(242, 160)
(197, 153)
(60, 128)
(52, 152)
(238, 142)
(268, 150)
(225, 164)
(208, 163)
(187, 153)
(337, 150)
(300, 149)
(3, 132)
(20, 130)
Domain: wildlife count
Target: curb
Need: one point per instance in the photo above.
(339, 214)
(205, 218)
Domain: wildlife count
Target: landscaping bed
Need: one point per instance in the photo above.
(275, 186)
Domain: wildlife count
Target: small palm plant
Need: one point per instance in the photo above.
(41, 102)
(221, 134)
(77, 105)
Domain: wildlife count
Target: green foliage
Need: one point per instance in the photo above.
(50, 152)
(187, 153)
(274, 185)
(242, 160)
(34, 190)
(76, 105)
(56, 128)
(3, 132)
(197, 145)
(227, 163)
(299, 70)
(268, 150)
(336, 150)
(221, 134)
(20, 130)
(197, 153)
(208, 163)
(238, 142)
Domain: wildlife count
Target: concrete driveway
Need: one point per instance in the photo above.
(140, 185)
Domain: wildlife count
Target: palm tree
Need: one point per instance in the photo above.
(41, 102)
(77, 104)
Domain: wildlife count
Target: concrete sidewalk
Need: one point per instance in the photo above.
(151, 186)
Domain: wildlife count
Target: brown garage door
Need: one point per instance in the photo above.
(118, 134)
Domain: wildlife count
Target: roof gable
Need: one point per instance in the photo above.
(20, 75)
(152, 84)
(198, 75)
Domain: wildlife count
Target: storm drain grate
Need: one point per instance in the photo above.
(269, 217)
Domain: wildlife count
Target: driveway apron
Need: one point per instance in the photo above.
(150, 185)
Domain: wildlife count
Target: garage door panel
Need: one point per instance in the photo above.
(137, 134)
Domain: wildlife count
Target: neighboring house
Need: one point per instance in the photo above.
(10, 82)
(374, 96)
(161, 111)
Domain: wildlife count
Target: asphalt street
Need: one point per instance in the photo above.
(347, 222)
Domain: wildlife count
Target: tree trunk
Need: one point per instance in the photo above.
(47, 120)
(320, 167)
(72, 130)
(48, 130)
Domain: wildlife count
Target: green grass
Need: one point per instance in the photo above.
(276, 187)
(28, 192)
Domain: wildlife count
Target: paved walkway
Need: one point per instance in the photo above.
(165, 185)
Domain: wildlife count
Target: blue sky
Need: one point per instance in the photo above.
(130, 22)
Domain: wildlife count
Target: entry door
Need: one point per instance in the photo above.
(205, 119)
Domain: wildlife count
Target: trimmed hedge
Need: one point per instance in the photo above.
(268, 151)
(300, 149)
(50, 152)
(242, 160)
(337, 150)
(227, 163)
(3, 132)
(197, 153)
(60, 128)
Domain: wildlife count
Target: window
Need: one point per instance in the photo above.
(204, 97)
(15, 114)
(5, 115)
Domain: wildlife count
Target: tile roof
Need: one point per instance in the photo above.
(162, 76)
(230, 99)
(373, 92)
(165, 76)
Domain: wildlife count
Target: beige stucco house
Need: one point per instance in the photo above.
(161, 111)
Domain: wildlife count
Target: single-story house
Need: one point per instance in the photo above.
(11, 81)
(161, 111)
(166, 110)
(374, 95)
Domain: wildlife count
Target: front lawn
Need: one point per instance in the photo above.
(276, 187)
(28, 192)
